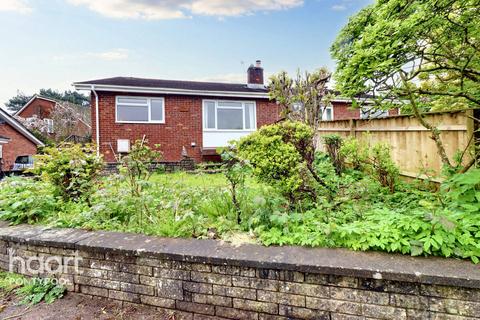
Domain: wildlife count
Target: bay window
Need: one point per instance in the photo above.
(140, 110)
(229, 115)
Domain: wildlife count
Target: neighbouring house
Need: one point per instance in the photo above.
(58, 120)
(183, 116)
(341, 109)
(15, 141)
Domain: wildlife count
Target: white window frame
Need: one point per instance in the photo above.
(243, 102)
(149, 105)
(50, 125)
(324, 113)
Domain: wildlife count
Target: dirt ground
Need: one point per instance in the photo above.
(75, 307)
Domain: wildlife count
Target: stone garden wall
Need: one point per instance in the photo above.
(207, 279)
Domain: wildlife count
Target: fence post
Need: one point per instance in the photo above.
(353, 125)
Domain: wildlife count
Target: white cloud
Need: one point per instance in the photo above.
(20, 6)
(110, 55)
(115, 54)
(339, 7)
(175, 9)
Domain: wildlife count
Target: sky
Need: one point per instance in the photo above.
(53, 43)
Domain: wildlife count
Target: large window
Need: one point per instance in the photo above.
(141, 110)
(229, 115)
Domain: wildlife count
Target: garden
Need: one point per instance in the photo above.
(273, 189)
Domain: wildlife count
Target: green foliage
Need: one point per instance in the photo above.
(462, 191)
(432, 44)
(17, 102)
(375, 160)
(280, 155)
(25, 200)
(37, 290)
(333, 143)
(235, 171)
(71, 168)
(136, 169)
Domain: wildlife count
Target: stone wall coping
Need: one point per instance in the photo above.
(342, 262)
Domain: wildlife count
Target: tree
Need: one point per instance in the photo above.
(421, 53)
(17, 102)
(303, 98)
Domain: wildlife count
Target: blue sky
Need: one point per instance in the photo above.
(52, 43)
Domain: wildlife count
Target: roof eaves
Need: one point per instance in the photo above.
(20, 127)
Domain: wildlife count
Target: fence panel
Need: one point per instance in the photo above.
(412, 148)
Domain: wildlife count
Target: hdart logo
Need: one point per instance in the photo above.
(43, 265)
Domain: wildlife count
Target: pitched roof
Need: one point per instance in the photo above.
(174, 84)
(19, 127)
(35, 96)
(129, 84)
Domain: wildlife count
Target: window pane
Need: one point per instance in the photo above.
(132, 100)
(130, 113)
(249, 116)
(230, 118)
(209, 115)
(230, 104)
(328, 114)
(157, 110)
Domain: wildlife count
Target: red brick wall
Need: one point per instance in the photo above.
(183, 125)
(41, 108)
(17, 146)
(343, 111)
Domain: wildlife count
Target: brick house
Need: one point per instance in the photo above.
(182, 116)
(15, 141)
(42, 108)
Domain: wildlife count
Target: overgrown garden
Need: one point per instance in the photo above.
(275, 188)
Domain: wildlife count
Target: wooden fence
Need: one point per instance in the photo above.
(412, 148)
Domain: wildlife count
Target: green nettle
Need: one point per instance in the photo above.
(136, 169)
(235, 171)
(72, 169)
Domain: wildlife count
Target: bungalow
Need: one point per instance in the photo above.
(15, 141)
(77, 127)
(182, 116)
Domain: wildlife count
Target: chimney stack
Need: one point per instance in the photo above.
(255, 76)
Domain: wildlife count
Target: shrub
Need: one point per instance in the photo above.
(376, 161)
(25, 200)
(72, 169)
(333, 143)
(280, 156)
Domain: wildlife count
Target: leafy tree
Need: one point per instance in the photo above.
(17, 102)
(422, 53)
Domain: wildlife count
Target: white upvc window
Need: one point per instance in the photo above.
(49, 124)
(327, 114)
(229, 115)
(131, 109)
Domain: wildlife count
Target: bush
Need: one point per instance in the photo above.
(282, 156)
(333, 143)
(72, 169)
(25, 200)
(376, 161)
